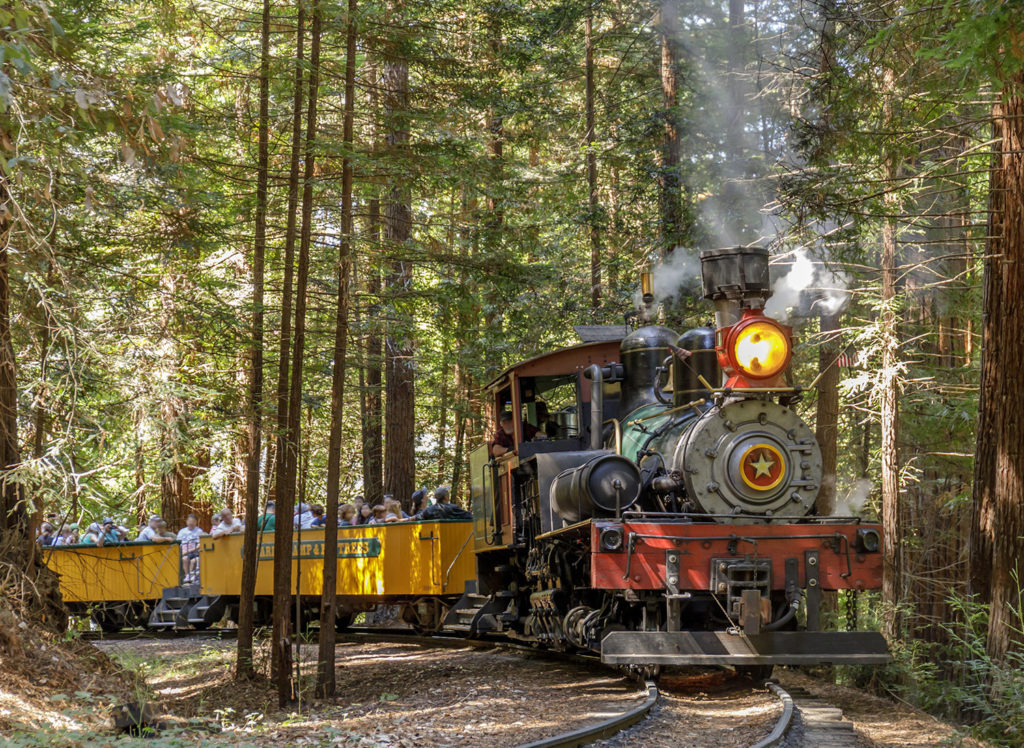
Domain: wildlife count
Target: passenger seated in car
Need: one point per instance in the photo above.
(92, 533)
(265, 523)
(346, 515)
(303, 518)
(393, 511)
(228, 525)
(151, 532)
(110, 533)
(189, 537)
(379, 512)
(65, 536)
(365, 515)
(161, 528)
(46, 535)
(318, 515)
(419, 502)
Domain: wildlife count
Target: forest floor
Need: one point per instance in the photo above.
(398, 694)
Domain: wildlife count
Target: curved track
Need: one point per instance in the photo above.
(807, 722)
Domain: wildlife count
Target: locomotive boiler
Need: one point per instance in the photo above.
(665, 513)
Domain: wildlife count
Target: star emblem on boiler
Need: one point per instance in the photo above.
(763, 467)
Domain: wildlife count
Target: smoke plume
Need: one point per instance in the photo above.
(808, 289)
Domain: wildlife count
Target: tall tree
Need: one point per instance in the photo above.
(281, 652)
(326, 681)
(399, 370)
(592, 194)
(892, 537)
(250, 552)
(669, 176)
(997, 568)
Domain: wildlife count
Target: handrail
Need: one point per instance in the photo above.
(448, 571)
(618, 433)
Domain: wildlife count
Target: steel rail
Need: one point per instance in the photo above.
(785, 721)
(607, 728)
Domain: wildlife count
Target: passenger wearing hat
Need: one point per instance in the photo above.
(151, 532)
(110, 534)
(92, 534)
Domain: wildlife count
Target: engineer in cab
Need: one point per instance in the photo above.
(504, 441)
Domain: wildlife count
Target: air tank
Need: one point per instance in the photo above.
(597, 488)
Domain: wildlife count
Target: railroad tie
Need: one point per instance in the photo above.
(818, 724)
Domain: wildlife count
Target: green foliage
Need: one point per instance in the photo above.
(985, 693)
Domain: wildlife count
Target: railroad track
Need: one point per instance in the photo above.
(92, 636)
(808, 722)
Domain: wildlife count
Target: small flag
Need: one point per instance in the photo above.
(848, 358)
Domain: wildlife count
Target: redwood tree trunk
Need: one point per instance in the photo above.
(372, 421)
(281, 653)
(670, 177)
(892, 531)
(592, 204)
(399, 411)
(326, 683)
(14, 518)
(999, 482)
(250, 551)
(826, 425)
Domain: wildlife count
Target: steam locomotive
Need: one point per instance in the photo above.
(669, 519)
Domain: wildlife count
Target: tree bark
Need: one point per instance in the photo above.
(592, 202)
(372, 421)
(326, 681)
(997, 569)
(14, 518)
(892, 530)
(250, 551)
(281, 653)
(399, 410)
(826, 424)
(670, 176)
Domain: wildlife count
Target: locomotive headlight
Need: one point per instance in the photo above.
(760, 349)
(611, 538)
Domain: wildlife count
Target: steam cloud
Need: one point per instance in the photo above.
(678, 273)
(809, 288)
(851, 504)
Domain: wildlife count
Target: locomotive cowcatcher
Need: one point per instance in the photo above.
(663, 512)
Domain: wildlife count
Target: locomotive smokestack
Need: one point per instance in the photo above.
(735, 279)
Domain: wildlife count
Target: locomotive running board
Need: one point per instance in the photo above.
(721, 648)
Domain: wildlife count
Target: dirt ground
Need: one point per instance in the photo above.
(401, 694)
(396, 694)
(880, 723)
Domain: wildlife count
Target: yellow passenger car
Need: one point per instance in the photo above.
(421, 566)
(116, 584)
